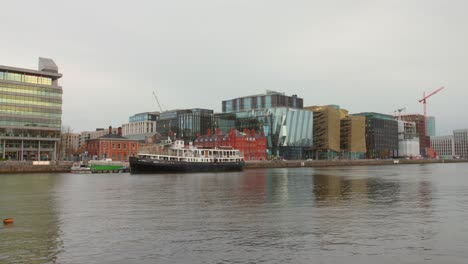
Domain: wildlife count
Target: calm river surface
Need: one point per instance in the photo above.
(370, 214)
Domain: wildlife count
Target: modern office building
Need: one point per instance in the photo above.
(186, 124)
(30, 112)
(140, 126)
(444, 146)
(408, 141)
(353, 137)
(381, 135)
(460, 138)
(431, 126)
(270, 99)
(327, 130)
(288, 130)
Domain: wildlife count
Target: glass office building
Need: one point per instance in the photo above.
(381, 135)
(288, 130)
(185, 124)
(30, 112)
(268, 100)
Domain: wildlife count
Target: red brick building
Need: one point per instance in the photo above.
(253, 146)
(112, 146)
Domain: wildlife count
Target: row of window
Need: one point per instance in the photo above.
(26, 100)
(24, 89)
(29, 132)
(118, 145)
(29, 113)
(27, 78)
(28, 144)
(30, 124)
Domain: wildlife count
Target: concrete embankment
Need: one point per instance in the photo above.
(9, 167)
(333, 163)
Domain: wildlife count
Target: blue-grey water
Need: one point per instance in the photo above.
(370, 214)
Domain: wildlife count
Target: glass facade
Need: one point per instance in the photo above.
(185, 124)
(288, 131)
(144, 117)
(30, 113)
(263, 101)
(431, 129)
(381, 135)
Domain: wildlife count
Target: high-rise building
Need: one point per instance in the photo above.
(288, 131)
(30, 112)
(353, 137)
(381, 135)
(326, 130)
(140, 126)
(443, 146)
(460, 138)
(270, 99)
(186, 124)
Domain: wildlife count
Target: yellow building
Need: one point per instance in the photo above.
(353, 136)
(326, 130)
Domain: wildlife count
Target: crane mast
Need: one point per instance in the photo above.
(423, 100)
(157, 101)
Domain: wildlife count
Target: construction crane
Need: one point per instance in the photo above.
(157, 101)
(423, 100)
(399, 112)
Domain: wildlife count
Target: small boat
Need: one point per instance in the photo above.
(181, 158)
(79, 168)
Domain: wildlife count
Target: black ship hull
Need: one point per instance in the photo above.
(140, 166)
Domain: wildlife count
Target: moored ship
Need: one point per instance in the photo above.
(187, 159)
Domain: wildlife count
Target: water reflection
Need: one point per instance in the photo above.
(34, 237)
(266, 215)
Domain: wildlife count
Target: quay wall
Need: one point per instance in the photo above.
(333, 163)
(12, 167)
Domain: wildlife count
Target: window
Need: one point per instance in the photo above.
(113, 146)
(125, 146)
(118, 146)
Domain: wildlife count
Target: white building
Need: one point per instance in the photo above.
(140, 126)
(408, 142)
(460, 138)
(87, 135)
(443, 146)
(69, 145)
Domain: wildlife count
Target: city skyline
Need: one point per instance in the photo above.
(363, 56)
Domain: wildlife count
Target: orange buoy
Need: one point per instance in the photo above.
(8, 221)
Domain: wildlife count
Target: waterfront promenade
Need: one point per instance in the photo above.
(334, 163)
(9, 167)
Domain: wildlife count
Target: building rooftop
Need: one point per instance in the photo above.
(47, 68)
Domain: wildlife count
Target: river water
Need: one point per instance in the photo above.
(368, 214)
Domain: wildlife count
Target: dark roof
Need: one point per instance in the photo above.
(113, 136)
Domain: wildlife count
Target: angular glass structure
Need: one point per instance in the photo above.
(30, 112)
(288, 130)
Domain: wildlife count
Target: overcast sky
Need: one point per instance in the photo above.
(362, 55)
